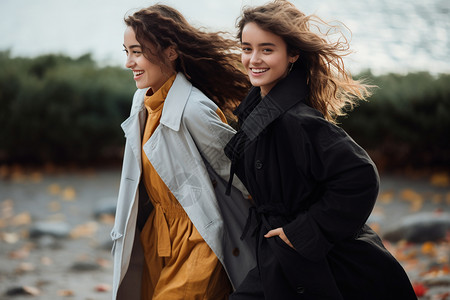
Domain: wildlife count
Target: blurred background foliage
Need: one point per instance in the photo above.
(406, 122)
(55, 109)
(60, 110)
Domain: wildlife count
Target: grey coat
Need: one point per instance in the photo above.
(186, 150)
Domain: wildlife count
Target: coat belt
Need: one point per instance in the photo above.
(257, 215)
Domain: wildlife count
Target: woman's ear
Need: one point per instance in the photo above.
(293, 59)
(171, 53)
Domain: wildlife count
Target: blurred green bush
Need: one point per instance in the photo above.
(406, 122)
(57, 109)
(61, 110)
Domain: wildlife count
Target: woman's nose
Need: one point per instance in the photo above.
(255, 58)
(129, 62)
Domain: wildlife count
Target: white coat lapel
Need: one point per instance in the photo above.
(133, 127)
(175, 102)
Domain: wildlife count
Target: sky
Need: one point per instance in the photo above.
(79, 26)
(387, 35)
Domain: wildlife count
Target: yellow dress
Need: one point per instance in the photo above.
(178, 262)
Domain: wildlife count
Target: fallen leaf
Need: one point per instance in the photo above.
(410, 195)
(10, 237)
(433, 273)
(21, 219)
(47, 261)
(23, 290)
(428, 248)
(85, 230)
(414, 198)
(103, 262)
(7, 208)
(416, 206)
(444, 296)
(440, 179)
(66, 293)
(419, 289)
(54, 189)
(21, 253)
(31, 290)
(69, 194)
(103, 287)
(386, 197)
(446, 267)
(24, 267)
(107, 219)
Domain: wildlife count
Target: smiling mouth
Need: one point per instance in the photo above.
(259, 70)
(138, 73)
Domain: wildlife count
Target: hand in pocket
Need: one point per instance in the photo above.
(279, 232)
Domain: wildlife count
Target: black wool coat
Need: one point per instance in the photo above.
(309, 177)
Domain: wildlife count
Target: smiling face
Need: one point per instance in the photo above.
(264, 56)
(147, 73)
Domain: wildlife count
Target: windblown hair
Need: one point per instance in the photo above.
(332, 90)
(209, 60)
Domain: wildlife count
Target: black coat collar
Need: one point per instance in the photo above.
(256, 114)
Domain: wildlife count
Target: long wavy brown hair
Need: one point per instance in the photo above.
(332, 90)
(209, 60)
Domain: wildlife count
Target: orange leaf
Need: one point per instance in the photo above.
(69, 194)
(440, 179)
(428, 248)
(21, 219)
(386, 197)
(103, 287)
(66, 293)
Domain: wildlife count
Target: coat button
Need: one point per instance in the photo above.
(300, 290)
(236, 251)
(258, 164)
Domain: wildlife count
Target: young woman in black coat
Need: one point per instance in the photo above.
(312, 185)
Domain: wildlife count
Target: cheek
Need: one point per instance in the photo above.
(245, 58)
(145, 64)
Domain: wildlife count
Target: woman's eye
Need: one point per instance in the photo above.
(137, 52)
(246, 49)
(267, 50)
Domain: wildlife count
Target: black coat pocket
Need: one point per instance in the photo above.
(312, 279)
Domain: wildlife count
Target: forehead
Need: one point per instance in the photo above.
(129, 37)
(252, 33)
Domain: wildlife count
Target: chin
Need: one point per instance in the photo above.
(256, 83)
(141, 86)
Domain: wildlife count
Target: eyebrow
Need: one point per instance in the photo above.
(261, 44)
(133, 46)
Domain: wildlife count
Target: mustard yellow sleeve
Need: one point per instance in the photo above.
(221, 115)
